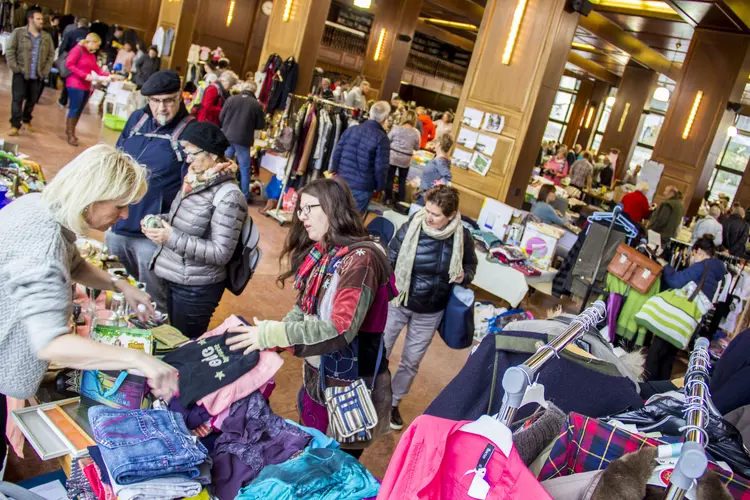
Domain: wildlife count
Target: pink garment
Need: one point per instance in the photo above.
(433, 456)
(559, 167)
(125, 58)
(267, 366)
(81, 63)
(217, 420)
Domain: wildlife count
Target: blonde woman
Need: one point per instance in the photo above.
(84, 70)
(39, 262)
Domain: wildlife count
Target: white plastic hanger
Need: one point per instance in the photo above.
(535, 394)
(491, 428)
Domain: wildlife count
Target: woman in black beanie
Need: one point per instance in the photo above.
(199, 234)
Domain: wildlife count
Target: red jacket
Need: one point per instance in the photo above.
(428, 130)
(210, 106)
(636, 205)
(81, 63)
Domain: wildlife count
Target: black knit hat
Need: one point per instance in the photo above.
(206, 136)
(166, 81)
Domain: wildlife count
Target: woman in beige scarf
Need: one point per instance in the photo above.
(430, 253)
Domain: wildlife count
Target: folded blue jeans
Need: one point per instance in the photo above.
(316, 474)
(138, 445)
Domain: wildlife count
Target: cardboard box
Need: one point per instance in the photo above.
(539, 242)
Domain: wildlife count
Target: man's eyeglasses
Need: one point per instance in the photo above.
(305, 210)
(167, 101)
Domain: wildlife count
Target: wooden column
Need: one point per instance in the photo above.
(578, 115)
(523, 92)
(395, 17)
(634, 93)
(598, 95)
(182, 17)
(298, 36)
(715, 65)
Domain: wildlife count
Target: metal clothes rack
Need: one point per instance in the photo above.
(517, 378)
(277, 214)
(692, 463)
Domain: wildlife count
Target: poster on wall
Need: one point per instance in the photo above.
(467, 138)
(480, 163)
(651, 173)
(473, 117)
(493, 123)
(485, 144)
(461, 159)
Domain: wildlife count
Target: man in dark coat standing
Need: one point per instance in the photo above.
(736, 232)
(362, 156)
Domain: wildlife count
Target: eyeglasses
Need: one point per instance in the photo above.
(305, 210)
(193, 154)
(167, 101)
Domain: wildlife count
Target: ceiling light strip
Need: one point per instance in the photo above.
(693, 112)
(379, 47)
(624, 116)
(230, 14)
(515, 26)
(287, 10)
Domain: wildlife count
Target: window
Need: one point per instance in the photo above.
(640, 156)
(596, 142)
(553, 132)
(732, 162)
(602, 125)
(652, 123)
(736, 153)
(561, 109)
(570, 83)
(723, 182)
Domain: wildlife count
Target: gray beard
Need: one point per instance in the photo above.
(161, 120)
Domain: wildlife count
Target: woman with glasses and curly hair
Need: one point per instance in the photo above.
(343, 284)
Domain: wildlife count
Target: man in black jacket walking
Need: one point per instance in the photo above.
(240, 118)
(736, 232)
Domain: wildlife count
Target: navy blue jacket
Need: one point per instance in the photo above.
(678, 279)
(165, 170)
(362, 156)
(729, 389)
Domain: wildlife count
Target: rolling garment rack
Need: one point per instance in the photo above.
(518, 378)
(277, 213)
(692, 463)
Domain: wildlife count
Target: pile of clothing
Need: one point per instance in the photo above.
(218, 438)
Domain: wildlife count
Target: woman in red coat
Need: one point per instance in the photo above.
(636, 204)
(214, 98)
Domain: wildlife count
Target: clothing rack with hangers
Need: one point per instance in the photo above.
(277, 213)
(693, 462)
(518, 378)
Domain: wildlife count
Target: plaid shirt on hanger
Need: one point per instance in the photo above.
(587, 444)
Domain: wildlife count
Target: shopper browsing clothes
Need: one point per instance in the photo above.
(404, 141)
(199, 234)
(30, 55)
(81, 63)
(362, 156)
(430, 253)
(215, 96)
(40, 262)
(342, 278)
(151, 136)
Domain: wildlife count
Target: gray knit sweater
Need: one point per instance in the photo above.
(37, 257)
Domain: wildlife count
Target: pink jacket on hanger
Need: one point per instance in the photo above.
(267, 366)
(432, 459)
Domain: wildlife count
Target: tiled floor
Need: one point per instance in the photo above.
(262, 298)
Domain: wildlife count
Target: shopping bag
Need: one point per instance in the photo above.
(457, 327)
(634, 268)
(673, 315)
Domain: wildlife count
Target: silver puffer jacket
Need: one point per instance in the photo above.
(203, 236)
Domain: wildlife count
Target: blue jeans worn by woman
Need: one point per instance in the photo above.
(190, 307)
(77, 99)
(243, 160)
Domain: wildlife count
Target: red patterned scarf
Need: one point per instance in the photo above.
(311, 275)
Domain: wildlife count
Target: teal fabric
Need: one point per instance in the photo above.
(317, 474)
(319, 440)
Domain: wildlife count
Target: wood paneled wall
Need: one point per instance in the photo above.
(523, 92)
(714, 65)
(634, 93)
(578, 115)
(598, 96)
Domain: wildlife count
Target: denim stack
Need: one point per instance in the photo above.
(149, 454)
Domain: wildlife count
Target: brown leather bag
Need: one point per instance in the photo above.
(634, 268)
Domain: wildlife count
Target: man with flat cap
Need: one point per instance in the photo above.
(151, 136)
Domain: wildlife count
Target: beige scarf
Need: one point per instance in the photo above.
(408, 251)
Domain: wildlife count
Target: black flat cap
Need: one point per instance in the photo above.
(206, 136)
(166, 81)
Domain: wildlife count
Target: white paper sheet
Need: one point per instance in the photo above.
(473, 117)
(495, 217)
(467, 138)
(53, 490)
(651, 173)
(486, 144)
(493, 123)
(461, 158)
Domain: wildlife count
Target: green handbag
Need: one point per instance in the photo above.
(673, 315)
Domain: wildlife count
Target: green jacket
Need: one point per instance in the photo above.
(668, 217)
(18, 53)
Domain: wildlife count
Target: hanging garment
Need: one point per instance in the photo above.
(597, 244)
(316, 474)
(627, 328)
(272, 65)
(341, 121)
(614, 304)
(573, 382)
(587, 444)
(433, 456)
(207, 365)
(252, 438)
(285, 82)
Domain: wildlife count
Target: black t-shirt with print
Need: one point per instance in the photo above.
(207, 365)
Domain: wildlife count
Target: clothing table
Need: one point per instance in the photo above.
(499, 280)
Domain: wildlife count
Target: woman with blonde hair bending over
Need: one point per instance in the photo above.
(39, 262)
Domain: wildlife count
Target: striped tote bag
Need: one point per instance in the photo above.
(674, 315)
